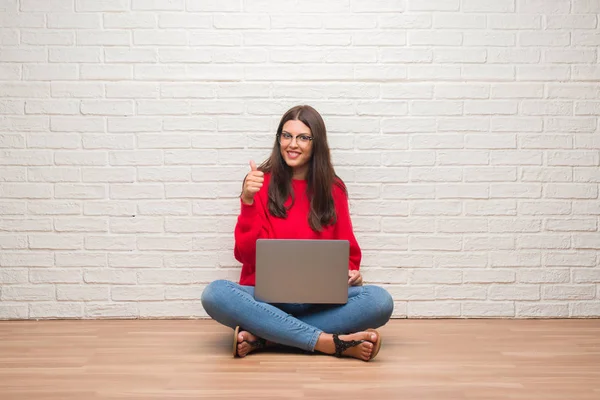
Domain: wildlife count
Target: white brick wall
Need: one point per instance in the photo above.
(466, 130)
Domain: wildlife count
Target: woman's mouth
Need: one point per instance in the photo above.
(293, 154)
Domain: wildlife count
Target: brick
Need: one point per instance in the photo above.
(546, 174)
(26, 224)
(164, 243)
(434, 243)
(434, 72)
(404, 225)
(491, 141)
(569, 56)
(491, 107)
(171, 309)
(573, 158)
(586, 275)
(514, 292)
(13, 276)
(104, 5)
(25, 191)
(507, 124)
(516, 190)
(483, 243)
(490, 174)
(490, 207)
(13, 174)
(492, 6)
(79, 191)
(517, 90)
(77, 20)
(544, 242)
(22, 20)
(110, 276)
(407, 125)
(514, 21)
(566, 259)
(13, 311)
(586, 73)
(460, 260)
(543, 275)
(24, 124)
(137, 293)
(585, 309)
(106, 72)
(80, 224)
(492, 38)
(516, 157)
(184, 20)
(113, 243)
(513, 56)
(68, 157)
(461, 91)
(433, 208)
(109, 208)
(545, 141)
(571, 191)
(568, 292)
(54, 208)
(77, 90)
(463, 292)
(544, 7)
(119, 55)
(28, 293)
(462, 225)
(53, 275)
(433, 141)
(488, 276)
(412, 293)
(136, 191)
(586, 241)
(544, 207)
(462, 191)
(132, 124)
(48, 37)
(79, 260)
(111, 310)
(103, 38)
(515, 225)
(81, 292)
(528, 310)
(577, 91)
(433, 5)
(426, 309)
(423, 174)
(55, 310)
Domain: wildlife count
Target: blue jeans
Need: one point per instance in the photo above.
(296, 325)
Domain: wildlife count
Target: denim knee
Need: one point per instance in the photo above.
(383, 302)
(211, 296)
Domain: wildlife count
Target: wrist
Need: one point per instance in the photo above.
(247, 201)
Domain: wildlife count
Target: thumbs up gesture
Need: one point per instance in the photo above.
(252, 184)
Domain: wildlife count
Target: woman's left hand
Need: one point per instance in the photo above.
(354, 278)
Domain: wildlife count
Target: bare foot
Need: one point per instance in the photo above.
(244, 347)
(361, 351)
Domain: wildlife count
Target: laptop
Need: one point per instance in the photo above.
(302, 271)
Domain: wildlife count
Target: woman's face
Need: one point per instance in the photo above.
(295, 144)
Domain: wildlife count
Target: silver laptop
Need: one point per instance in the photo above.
(302, 271)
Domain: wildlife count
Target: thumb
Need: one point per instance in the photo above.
(253, 166)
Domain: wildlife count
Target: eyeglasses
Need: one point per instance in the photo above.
(303, 140)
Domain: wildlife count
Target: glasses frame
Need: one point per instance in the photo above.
(298, 141)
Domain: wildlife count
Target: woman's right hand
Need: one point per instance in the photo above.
(252, 184)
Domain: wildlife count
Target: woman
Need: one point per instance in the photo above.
(296, 194)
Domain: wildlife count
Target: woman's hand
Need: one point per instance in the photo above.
(354, 278)
(252, 184)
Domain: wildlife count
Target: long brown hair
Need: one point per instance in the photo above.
(320, 176)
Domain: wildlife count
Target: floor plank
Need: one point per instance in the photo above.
(191, 359)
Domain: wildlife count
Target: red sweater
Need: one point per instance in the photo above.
(256, 222)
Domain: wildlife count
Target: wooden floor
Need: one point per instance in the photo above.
(419, 359)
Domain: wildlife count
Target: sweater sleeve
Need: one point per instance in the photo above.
(251, 225)
(344, 230)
